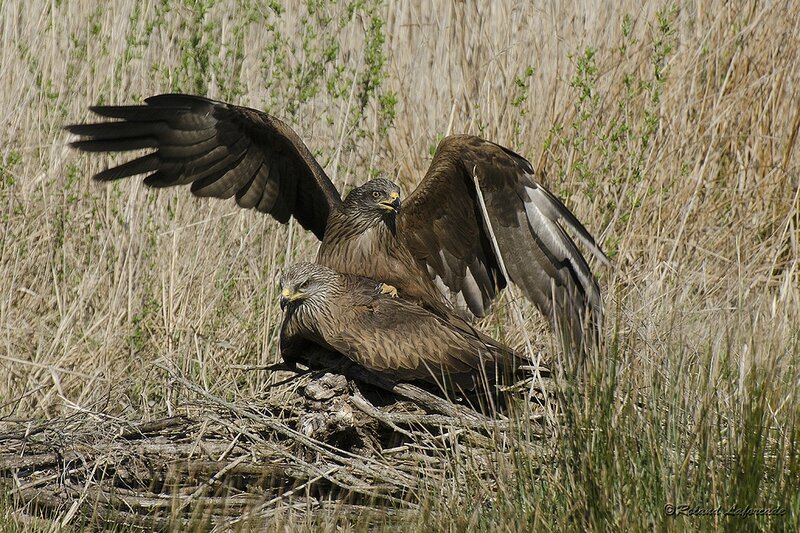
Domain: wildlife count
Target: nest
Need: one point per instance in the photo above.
(342, 446)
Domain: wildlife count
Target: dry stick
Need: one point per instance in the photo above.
(315, 445)
(119, 497)
(230, 447)
(194, 468)
(82, 454)
(50, 501)
(266, 505)
(166, 449)
(211, 481)
(116, 499)
(11, 462)
(140, 430)
(198, 438)
(367, 408)
(45, 480)
(328, 511)
(319, 447)
(436, 404)
(306, 468)
(82, 495)
(392, 419)
(424, 398)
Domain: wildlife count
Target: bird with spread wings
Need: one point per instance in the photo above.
(476, 221)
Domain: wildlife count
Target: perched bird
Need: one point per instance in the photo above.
(389, 336)
(477, 220)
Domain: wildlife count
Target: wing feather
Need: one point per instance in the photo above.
(399, 339)
(393, 337)
(220, 149)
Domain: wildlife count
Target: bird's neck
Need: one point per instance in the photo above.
(310, 319)
(352, 243)
(348, 221)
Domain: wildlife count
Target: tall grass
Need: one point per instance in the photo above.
(670, 129)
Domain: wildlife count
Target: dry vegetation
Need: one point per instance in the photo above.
(670, 130)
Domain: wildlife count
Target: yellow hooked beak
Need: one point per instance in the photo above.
(288, 296)
(393, 203)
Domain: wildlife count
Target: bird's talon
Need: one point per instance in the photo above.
(385, 288)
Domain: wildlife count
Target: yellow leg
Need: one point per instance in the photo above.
(385, 288)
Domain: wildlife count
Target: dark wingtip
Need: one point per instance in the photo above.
(84, 130)
(106, 110)
(108, 174)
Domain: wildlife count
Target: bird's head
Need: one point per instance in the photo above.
(377, 199)
(303, 282)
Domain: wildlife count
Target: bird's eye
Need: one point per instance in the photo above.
(376, 194)
(305, 285)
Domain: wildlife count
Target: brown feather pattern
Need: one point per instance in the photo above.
(392, 337)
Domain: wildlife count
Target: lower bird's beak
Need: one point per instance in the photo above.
(283, 301)
(393, 203)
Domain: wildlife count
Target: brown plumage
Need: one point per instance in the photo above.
(392, 337)
(477, 220)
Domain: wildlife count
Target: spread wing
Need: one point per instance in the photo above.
(479, 219)
(220, 149)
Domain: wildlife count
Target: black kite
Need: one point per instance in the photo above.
(392, 337)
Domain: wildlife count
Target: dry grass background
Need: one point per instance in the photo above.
(670, 130)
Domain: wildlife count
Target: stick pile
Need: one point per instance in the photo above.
(341, 446)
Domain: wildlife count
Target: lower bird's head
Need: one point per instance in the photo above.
(376, 200)
(305, 282)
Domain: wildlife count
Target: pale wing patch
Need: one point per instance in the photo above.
(552, 208)
(468, 299)
(543, 218)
